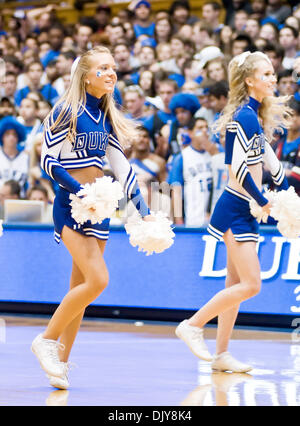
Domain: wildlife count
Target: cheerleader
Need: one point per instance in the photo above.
(82, 128)
(251, 108)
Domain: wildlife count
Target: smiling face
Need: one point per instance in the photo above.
(262, 82)
(101, 78)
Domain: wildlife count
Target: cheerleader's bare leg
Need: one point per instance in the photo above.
(226, 320)
(87, 255)
(245, 260)
(68, 336)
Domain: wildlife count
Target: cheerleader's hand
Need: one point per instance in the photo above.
(91, 209)
(149, 218)
(267, 208)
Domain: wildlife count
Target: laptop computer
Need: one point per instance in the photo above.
(23, 211)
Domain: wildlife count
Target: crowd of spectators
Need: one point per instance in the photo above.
(172, 79)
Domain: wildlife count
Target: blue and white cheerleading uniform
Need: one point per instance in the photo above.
(94, 139)
(245, 145)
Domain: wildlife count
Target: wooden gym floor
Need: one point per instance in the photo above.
(129, 363)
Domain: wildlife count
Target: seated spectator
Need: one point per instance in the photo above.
(56, 38)
(211, 11)
(203, 36)
(205, 111)
(14, 162)
(6, 108)
(147, 57)
(82, 39)
(134, 103)
(252, 28)
(269, 32)
(259, 9)
(63, 66)
(163, 52)
(241, 43)
(123, 60)
(292, 21)
(288, 40)
(28, 116)
(41, 19)
(177, 60)
(240, 21)
(44, 108)
(9, 190)
(148, 166)
(175, 135)
(150, 170)
(39, 193)
(216, 70)
(277, 10)
(116, 33)
(232, 7)
(192, 71)
(166, 90)
(14, 64)
(218, 96)
(147, 83)
(8, 87)
(102, 16)
(35, 72)
(142, 22)
(276, 55)
(186, 33)
(287, 149)
(180, 13)
(192, 172)
(163, 30)
(286, 84)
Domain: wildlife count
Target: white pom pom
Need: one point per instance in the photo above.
(1, 228)
(150, 236)
(286, 210)
(96, 201)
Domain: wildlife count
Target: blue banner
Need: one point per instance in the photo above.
(36, 269)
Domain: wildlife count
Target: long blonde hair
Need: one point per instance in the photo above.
(72, 104)
(274, 112)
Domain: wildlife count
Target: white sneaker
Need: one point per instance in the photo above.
(61, 382)
(193, 337)
(46, 352)
(226, 362)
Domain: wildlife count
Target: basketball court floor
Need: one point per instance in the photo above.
(134, 363)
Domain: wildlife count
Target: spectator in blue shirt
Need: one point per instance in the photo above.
(163, 115)
(56, 38)
(143, 24)
(34, 73)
